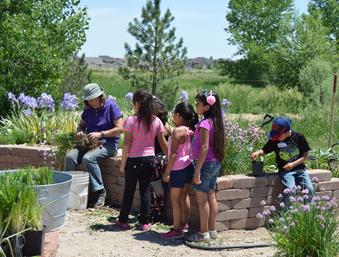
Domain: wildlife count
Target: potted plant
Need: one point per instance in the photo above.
(21, 215)
(258, 167)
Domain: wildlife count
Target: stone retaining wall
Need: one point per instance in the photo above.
(239, 196)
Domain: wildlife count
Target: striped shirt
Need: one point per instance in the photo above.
(143, 141)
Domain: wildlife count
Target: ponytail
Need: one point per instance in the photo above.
(215, 114)
(193, 121)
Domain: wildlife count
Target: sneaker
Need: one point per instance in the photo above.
(122, 225)
(173, 234)
(199, 237)
(145, 227)
(101, 199)
(213, 234)
(184, 227)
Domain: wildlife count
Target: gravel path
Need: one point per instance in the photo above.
(90, 233)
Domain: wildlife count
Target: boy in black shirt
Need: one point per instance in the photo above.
(291, 150)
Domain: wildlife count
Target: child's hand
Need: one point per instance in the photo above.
(288, 166)
(166, 178)
(254, 155)
(122, 169)
(196, 179)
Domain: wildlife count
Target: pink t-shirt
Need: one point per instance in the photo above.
(142, 140)
(196, 144)
(182, 157)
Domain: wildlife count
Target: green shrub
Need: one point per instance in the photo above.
(314, 79)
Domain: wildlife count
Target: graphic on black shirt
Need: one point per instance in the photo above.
(289, 150)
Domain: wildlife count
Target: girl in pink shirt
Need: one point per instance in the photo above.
(138, 157)
(179, 169)
(207, 152)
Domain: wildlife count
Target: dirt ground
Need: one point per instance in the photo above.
(91, 233)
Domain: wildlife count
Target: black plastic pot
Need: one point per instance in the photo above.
(5, 249)
(16, 244)
(258, 168)
(34, 241)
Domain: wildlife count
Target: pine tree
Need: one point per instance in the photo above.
(157, 58)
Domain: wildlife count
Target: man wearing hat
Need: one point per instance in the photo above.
(101, 120)
(291, 150)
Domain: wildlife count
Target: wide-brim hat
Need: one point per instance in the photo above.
(92, 91)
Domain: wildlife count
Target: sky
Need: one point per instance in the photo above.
(200, 23)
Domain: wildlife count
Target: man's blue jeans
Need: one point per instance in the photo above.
(90, 161)
(290, 179)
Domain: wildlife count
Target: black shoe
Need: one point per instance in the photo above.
(98, 199)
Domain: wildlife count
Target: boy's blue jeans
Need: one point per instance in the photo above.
(90, 161)
(290, 179)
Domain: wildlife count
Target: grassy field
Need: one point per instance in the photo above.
(312, 121)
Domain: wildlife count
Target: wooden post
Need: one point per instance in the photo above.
(332, 110)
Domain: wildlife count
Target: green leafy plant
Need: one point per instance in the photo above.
(318, 159)
(321, 159)
(240, 142)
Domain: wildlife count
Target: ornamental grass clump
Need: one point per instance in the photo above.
(20, 209)
(35, 176)
(306, 226)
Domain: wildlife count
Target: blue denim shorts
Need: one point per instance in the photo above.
(208, 176)
(179, 178)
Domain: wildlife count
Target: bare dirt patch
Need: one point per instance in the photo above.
(92, 233)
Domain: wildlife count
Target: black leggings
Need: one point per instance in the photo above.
(138, 169)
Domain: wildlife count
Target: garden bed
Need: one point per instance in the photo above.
(239, 197)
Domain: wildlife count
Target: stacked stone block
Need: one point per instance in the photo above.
(239, 197)
(19, 156)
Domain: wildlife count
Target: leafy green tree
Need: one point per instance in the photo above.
(157, 58)
(328, 12)
(37, 40)
(255, 27)
(256, 22)
(306, 40)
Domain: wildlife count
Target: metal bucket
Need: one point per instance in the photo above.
(54, 200)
